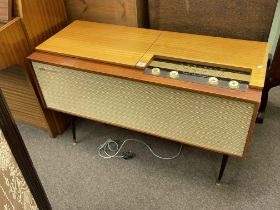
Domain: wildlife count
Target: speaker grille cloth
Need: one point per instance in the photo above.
(203, 120)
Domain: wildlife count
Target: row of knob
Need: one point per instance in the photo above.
(212, 80)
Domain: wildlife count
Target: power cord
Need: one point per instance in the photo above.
(112, 146)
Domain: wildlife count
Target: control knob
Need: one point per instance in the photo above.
(233, 84)
(213, 81)
(156, 71)
(174, 74)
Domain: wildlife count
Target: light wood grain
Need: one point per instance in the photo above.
(20, 97)
(14, 45)
(16, 84)
(126, 46)
(101, 42)
(213, 50)
(128, 12)
(42, 18)
(5, 10)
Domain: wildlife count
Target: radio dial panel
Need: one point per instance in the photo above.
(202, 74)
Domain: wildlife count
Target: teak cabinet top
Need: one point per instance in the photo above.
(101, 42)
(127, 46)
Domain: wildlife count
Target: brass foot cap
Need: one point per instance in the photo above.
(218, 183)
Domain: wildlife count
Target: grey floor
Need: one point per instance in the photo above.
(75, 177)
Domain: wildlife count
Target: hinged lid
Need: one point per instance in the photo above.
(101, 42)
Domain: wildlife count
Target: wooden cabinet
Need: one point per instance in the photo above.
(14, 44)
(41, 18)
(121, 12)
(38, 20)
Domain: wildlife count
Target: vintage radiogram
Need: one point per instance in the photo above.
(198, 90)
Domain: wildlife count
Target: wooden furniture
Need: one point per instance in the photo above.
(5, 10)
(102, 72)
(250, 20)
(10, 56)
(128, 46)
(128, 12)
(15, 83)
(40, 19)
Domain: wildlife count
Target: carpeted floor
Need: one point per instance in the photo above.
(75, 177)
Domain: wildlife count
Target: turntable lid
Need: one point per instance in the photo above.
(101, 42)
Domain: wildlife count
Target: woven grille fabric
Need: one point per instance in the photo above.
(193, 118)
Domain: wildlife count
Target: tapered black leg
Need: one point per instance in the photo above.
(223, 165)
(73, 125)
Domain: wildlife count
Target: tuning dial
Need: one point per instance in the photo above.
(213, 81)
(174, 74)
(233, 84)
(156, 71)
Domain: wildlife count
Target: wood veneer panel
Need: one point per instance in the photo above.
(21, 98)
(101, 42)
(16, 83)
(126, 45)
(250, 19)
(42, 18)
(14, 45)
(16, 8)
(128, 12)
